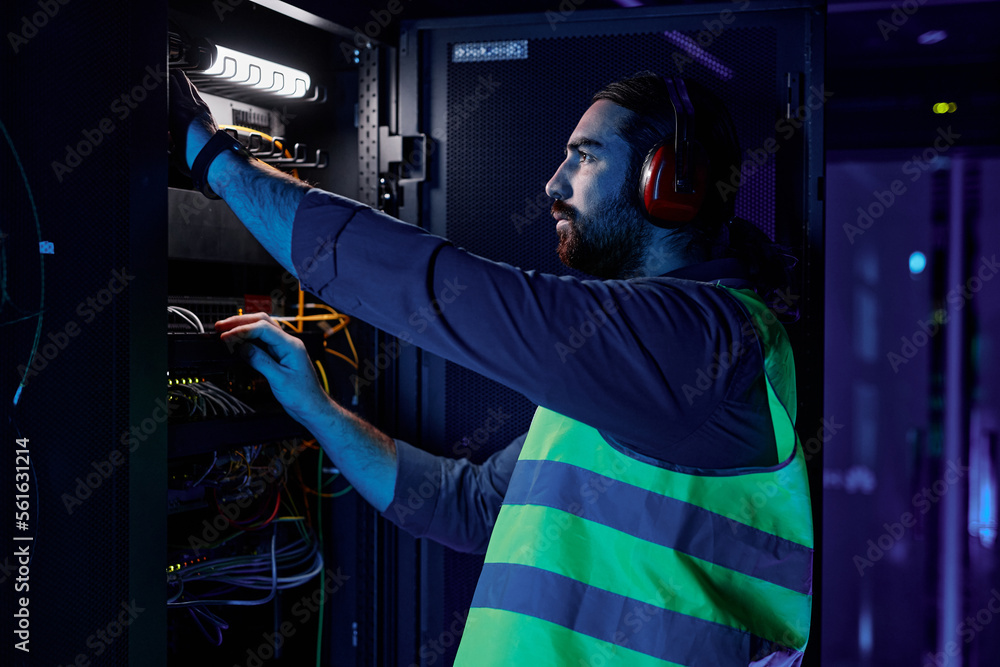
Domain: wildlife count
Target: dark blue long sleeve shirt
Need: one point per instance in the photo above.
(669, 369)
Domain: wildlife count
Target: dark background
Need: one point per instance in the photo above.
(109, 214)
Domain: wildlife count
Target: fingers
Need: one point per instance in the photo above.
(281, 358)
(191, 123)
(261, 362)
(260, 327)
(238, 320)
(184, 94)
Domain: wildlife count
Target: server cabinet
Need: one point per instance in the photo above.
(911, 484)
(337, 617)
(95, 246)
(83, 223)
(497, 98)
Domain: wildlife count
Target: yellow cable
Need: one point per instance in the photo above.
(322, 374)
(343, 356)
(350, 341)
(343, 323)
(302, 308)
(308, 318)
(266, 137)
(326, 307)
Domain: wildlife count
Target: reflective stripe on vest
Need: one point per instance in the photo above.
(599, 558)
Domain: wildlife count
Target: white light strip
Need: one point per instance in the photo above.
(258, 73)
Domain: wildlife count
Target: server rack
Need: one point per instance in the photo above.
(84, 224)
(319, 139)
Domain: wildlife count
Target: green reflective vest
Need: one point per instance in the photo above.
(599, 558)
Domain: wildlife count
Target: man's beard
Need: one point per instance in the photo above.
(611, 244)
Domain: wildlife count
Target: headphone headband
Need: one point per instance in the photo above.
(672, 188)
(684, 124)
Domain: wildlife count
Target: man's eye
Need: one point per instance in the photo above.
(585, 157)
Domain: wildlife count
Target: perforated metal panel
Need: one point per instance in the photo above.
(69, 89)
(506, 130)
(368, 118)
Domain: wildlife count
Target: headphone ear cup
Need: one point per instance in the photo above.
(662, 206)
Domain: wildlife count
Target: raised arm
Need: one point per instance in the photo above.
(623, 356)
(263, 198)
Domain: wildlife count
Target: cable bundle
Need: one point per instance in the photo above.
(188, 317)
(204, 396)
(279, 568)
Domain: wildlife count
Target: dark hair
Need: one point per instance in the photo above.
(715, 232)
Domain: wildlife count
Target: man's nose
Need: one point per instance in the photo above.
(558, 185)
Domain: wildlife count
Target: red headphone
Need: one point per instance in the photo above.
(672, 186)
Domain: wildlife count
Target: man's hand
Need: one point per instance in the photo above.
(366, 456)
(280, 358)
(264, 199)
(191, 123)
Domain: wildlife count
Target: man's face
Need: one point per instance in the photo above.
(600, 232)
